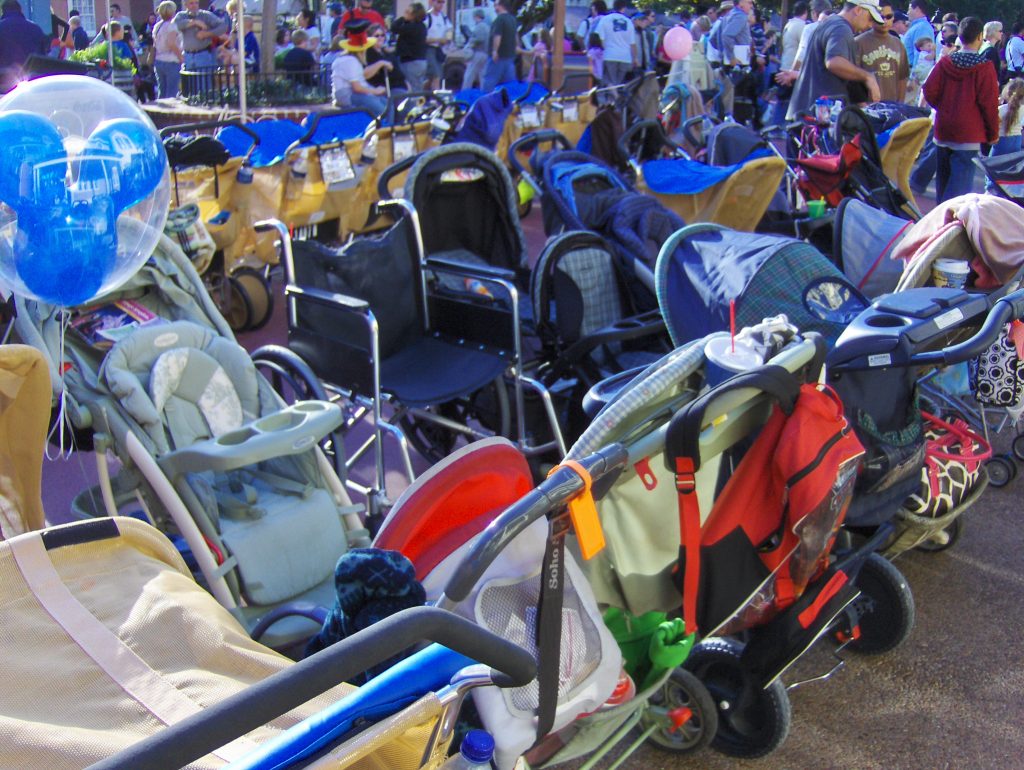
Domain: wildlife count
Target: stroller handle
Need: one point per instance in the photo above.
(193, 127)
(551, 494)
(529, 142)
(1006, 309)
(196, 736)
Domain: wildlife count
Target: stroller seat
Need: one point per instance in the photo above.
(243, 464)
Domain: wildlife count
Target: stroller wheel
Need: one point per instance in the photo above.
(488, 407)
(887, 606)
(1001, 470)
(752, 721)
(681, 690)
(945, 539)
(260, 296)
(1018, 447)
(234, 304)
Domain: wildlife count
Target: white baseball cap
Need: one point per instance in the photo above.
(872, 7)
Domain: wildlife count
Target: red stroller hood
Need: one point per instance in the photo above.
(454, 501)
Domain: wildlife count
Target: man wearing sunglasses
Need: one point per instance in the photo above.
(884, 55)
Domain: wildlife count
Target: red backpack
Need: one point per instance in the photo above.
(770, 530)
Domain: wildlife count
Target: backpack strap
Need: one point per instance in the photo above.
(682, 456)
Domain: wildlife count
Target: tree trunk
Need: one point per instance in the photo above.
(268, 36)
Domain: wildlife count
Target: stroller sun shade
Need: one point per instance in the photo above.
(704, 267)
(1007, 173)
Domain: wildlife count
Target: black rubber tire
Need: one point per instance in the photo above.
(953, 533)
(682, 689)
(293, 380)
(260, 295)
(1018, 447)
(233, 302)
(488, 406)
(889, 607)
(752, 721)
(1001, 471)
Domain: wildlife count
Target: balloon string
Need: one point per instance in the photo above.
(62, 412)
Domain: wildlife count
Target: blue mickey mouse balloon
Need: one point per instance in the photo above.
(84, 189)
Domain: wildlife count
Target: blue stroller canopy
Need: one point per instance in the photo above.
(485, 121)
(681, 176)
(703, 267)
(337, 127)
(276, 136)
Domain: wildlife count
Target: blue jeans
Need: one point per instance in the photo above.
(497, 72)
(923, 172)
(371, 102)
(954, 173)
(202, 64)
(168, 78)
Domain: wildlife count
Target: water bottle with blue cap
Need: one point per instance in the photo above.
(475, 753)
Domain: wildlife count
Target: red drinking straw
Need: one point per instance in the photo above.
(732, 323)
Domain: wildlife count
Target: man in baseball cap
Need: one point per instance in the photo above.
(831, 66)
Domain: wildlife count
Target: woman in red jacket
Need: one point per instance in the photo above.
(963, 89)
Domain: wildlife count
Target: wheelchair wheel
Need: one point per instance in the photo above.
(294, 380)
(887, 604)
(233, 302)
(257, 286)
(681, 690)
(752, 721)
(488, 407)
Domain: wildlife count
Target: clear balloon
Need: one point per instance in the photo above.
(678, 43)
(84, 189)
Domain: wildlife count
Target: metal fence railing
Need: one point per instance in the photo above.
(216, 87)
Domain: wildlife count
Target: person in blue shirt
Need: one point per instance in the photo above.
(919, 27)
(19, 38)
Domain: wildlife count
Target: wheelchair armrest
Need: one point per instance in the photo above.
(341, 301)
(470, 270)
(292, 430)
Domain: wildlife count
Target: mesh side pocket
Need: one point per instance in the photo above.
(509, 608)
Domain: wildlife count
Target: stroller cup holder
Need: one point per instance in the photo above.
(896, 328)
(292, 430)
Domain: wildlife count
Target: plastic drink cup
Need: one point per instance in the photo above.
(815, 209)
(950, 273)
(725, 361)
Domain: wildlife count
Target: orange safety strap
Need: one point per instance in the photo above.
(583, 512)
(689, 530)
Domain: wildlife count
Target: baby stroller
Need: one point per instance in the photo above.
(207, 449)
(984, 393)
(465, 508)
(735, 195)
(659, 417)
(814, 295)
(212, 220)
(579, 192)
(842, 159)
(1006, 173)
